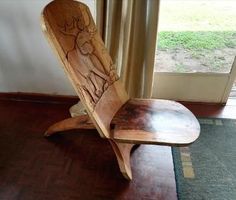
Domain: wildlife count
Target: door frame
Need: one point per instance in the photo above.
(194, 87)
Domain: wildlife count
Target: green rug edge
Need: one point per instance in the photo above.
(176, 154)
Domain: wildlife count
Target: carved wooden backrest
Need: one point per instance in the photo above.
(71, 30)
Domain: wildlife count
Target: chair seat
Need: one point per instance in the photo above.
(155, 121)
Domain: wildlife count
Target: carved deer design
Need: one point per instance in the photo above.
(95, 77)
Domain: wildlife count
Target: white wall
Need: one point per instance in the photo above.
(27, 63)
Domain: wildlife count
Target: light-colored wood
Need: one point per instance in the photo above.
(78, 122)
(122, 152)
(152, 121)
(77, 110)
(70, 28)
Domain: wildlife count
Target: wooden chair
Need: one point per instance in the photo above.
(124, 122)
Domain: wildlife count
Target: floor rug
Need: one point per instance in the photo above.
(206, 170)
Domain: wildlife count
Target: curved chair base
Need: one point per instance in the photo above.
(79, 122)
(122, 151)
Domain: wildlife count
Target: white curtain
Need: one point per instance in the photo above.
(129, 30)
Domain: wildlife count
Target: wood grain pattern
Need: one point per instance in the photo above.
(75, 166)
(145, 121)
(155, 122)
(122, 152)
(71, 30)
(95, 76)
(79, 122)
(62, 168)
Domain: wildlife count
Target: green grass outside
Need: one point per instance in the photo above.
(197, 40)
(199, 28)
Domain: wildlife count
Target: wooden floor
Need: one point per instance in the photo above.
(69, 167)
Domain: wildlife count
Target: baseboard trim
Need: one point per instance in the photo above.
(64, 99)
(201, 103)
(38, 97)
